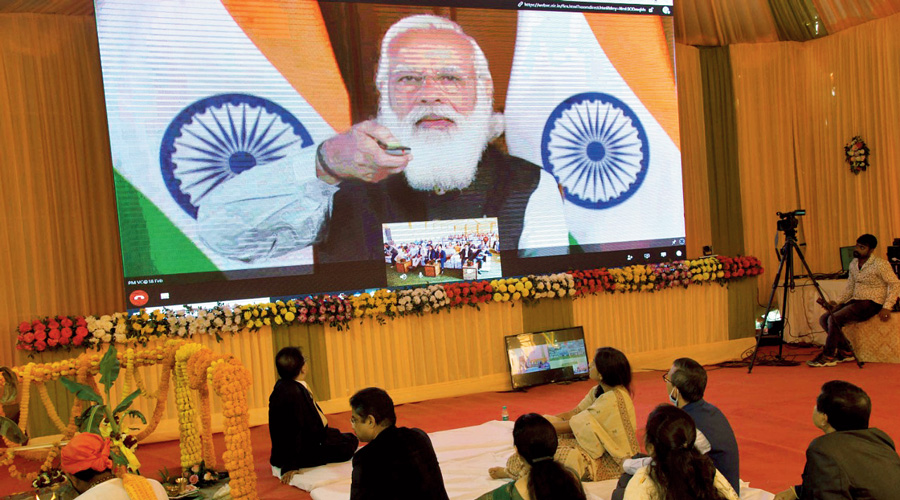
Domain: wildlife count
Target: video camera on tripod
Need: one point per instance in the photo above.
(788, 221)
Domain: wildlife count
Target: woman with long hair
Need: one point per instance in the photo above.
(678, 470)
(598, 434)
(535, 440)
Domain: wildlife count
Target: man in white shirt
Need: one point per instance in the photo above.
(427, 156)
(872, 290)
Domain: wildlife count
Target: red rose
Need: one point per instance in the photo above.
(64, 341)
(52, 342)
(52, 324)
(40, 336)
(81, 331)
(80, 321)
(29, 337)
(53, 334)
(66, 333)
(24, 327)
(40, 345)
(66, 322)
(77, 340)
(39, 327)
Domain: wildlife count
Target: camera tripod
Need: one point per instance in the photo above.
(786, 265)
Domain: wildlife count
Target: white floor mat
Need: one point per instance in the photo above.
(465, 455)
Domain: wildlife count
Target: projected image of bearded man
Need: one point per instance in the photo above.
(426, 156)
(436, 98)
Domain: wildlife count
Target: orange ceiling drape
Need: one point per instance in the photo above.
(59, 243)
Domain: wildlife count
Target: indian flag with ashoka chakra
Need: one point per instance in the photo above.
(199, 92)
(592, 99)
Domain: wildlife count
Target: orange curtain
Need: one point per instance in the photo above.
(842, 14)
(720, 22)
(59, 244)
(765, 89)
(796, 107)
(695, 173)
(848, 83)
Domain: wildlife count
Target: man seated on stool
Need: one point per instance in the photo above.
(871, 289)
(299, 430)
(686, 385)
(851, 460)
(399, 462)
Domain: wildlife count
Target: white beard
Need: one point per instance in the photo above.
(443, 160)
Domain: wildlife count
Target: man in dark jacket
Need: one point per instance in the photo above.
(686, 385)
(851, 460)
(299, 430)
(398, 462)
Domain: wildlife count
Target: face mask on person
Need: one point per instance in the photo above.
(672, 397)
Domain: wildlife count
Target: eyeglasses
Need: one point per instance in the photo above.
(448, 82)
(666, 378)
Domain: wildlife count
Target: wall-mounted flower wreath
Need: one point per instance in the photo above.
(856, 153)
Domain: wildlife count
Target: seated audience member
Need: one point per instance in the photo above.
(87, 465)
(872, 289)
(398, 462)
(851, 460)
(678, 470)
(536, 441)
(299, 430)
(685, 386)
(599, 433)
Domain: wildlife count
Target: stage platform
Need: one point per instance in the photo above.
(770, 410)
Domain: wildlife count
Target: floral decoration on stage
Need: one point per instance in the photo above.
(66, 332)
(856, 154)
(197, 371)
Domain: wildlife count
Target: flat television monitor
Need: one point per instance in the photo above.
(846, 258)
(546, 357)
(236, 125)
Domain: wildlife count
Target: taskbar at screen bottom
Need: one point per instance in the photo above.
(195, 288)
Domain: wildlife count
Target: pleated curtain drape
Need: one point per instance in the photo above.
(59, 243)
(695, 175)
(796, 106)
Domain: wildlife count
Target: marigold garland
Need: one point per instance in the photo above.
(197, 367)
(187, 421)
(51, 409)
(338, 311)
(230, 381)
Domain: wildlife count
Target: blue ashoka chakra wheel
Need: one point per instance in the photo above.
(218, 137)
(596, 148)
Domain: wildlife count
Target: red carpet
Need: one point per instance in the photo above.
(769, 409)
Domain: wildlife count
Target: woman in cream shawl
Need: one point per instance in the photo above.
(598, 434)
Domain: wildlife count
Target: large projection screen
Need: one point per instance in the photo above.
(268, 148)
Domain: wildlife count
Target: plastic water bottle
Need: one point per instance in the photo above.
(504, 415)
